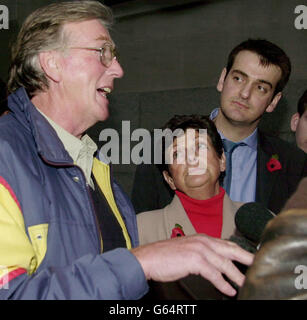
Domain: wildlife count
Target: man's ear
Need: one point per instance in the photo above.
(169, 180)
(49, 62)
(294, 121)
(223, 162)
(221, 81)
(274, 102)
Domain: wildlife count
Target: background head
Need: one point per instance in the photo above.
(299, 123)
(269, 54)
(192, 157)
(302, 104)
(43, 31)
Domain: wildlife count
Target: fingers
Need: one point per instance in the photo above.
(212, 274)
(232, 272)
(222, 285)
(218, 255)
(229, 250)
(219, 264)
(211, 258)
(236, 253)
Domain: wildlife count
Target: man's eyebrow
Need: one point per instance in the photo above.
(240, 72)
(104, 38)
(266, 82)
(259, 80)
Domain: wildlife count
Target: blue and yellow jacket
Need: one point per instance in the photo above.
(50, 244)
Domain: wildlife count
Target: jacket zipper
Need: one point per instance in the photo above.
(96, 219)
(89, 197)
(111, 180)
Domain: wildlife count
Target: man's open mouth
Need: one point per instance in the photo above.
(104, 91)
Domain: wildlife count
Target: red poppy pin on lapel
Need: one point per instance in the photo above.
(273, 164)
(177, 231)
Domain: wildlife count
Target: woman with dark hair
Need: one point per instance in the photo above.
(193, 162)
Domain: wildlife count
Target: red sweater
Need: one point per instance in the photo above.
(206, 216)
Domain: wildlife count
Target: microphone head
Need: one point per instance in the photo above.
(251, 219)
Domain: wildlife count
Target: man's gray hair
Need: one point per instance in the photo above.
(42, 31)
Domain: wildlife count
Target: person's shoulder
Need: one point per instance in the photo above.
(267, 137)
(151, 226)
(154, 217)
(8, 123)
(11, 132)
(6, 120)
(149, 216)
(7, 128)
(281, 146)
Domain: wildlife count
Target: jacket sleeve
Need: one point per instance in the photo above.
(113, 275)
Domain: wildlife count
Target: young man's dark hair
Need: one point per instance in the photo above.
(302, 104)
(298, 122)
(269, 53)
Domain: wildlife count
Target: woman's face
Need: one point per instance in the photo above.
(194, 165)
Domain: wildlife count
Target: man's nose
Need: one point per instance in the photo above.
(116, 69)
(246, 90)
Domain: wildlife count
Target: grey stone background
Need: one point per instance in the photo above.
(173, 51)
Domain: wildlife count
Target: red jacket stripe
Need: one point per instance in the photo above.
(10, 190)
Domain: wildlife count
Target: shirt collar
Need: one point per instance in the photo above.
(251, 140)
(81, 151)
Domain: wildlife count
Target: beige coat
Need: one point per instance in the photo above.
(158, 224)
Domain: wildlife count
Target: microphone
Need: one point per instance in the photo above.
(251, 219)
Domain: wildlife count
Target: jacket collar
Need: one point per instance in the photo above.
(175, 213)
(47, 142)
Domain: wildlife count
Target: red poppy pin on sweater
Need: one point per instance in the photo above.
(177, 231)
(273, 164)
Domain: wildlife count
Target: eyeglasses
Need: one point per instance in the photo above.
(107, 53)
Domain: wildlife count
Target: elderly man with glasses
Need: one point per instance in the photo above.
(67, 231)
